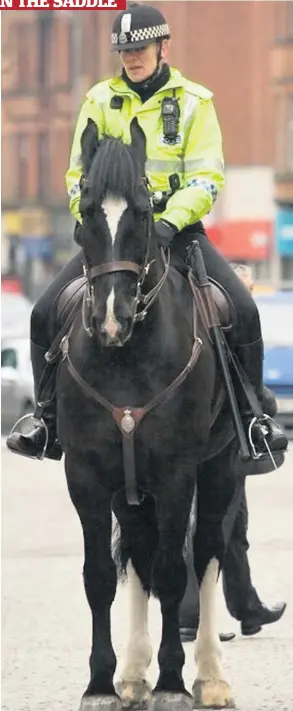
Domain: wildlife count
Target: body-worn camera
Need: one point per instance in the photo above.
(170, 116)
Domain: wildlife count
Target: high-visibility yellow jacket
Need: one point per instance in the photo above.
(196, 156)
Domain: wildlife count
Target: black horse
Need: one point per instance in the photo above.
(135, 397)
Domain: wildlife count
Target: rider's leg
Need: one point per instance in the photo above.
(32, 445)
(246, 336)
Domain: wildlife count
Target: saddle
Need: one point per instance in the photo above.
(73, 293)
(68, 298)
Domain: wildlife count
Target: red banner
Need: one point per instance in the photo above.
(63, 4)
(248, 240)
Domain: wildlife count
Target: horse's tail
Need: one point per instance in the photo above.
(117, 550)
(146, 537)
(191, 527)
(138, 539)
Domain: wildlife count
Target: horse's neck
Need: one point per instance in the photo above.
(172, 305)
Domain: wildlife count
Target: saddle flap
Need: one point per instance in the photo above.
(223, 303)
(68, 297)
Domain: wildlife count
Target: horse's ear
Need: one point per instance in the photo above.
(138, 142)
(89, 143)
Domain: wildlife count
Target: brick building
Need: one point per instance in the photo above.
(282, 82)
(51, 59)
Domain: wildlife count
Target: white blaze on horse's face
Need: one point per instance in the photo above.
(110, 325)
(113, 207)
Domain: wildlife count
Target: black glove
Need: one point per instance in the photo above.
(165, 232)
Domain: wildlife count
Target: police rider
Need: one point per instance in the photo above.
(184, 168)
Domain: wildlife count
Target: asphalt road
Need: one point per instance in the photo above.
(46, 626)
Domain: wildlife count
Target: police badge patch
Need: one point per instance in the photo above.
(122, 39)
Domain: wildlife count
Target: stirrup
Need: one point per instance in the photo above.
(37, 421)
(265, 431)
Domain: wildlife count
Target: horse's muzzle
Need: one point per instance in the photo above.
(113, 335)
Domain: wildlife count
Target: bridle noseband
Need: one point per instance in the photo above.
(141, 271)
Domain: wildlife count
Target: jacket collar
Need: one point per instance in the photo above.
(119, 86)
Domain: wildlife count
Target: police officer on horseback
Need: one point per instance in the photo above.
(184, 170)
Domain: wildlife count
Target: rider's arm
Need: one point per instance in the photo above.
(90, 109)
(204, 169)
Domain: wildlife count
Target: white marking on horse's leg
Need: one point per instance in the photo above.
(110, 325)
(139, 650)
(208, 651)
(113, 208)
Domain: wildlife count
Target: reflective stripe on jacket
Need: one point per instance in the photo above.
(196, 156)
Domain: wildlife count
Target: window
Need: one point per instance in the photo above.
(290, 21)
(22, 153)
(43, 164)
(9, 358)
(284, 133)
(44, 41)
(284, 21)
(76, 51)
(290, 133)
(23, 39)
(287, 270)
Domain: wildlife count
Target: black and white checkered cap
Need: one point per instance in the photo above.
(138, 26)
(146, 34)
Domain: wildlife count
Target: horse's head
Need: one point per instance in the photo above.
(116, 231)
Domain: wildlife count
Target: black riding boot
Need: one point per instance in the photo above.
(251, 359)
(34, 444)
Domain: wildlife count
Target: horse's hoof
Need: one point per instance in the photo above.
(168, 701)
(212, 694)
(100, 703)
(135, 695)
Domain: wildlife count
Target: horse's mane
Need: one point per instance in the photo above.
(114, 169)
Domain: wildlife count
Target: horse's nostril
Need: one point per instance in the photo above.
(111, 327)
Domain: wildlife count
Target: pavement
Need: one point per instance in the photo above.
(46, 623)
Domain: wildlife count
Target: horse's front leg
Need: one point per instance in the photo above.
(169, 583)
(92, 501)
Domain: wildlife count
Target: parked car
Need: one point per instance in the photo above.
(276, 315)
(17, 388)
(15, 314)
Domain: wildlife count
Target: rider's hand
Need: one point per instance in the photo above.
(165, 233)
